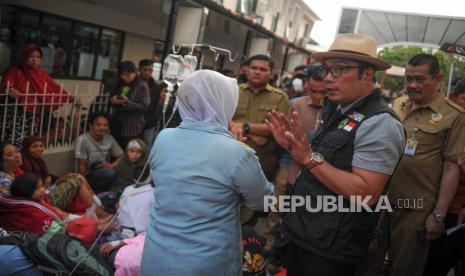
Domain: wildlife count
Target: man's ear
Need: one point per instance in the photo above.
(369, 74)
(439, 77)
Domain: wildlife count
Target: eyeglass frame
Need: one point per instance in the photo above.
(330, 70)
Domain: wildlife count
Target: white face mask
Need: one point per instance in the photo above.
(298, 85)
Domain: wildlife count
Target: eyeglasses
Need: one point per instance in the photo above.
(335, 70)
(417, 79)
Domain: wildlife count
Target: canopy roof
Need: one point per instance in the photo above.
(395, 28)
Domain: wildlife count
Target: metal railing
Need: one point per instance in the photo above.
(58, 118)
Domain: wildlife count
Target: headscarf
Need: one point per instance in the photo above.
(34, 81)
(208, 96)
(125, 168)
(31, 164)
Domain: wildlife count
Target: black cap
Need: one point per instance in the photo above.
(312, 71)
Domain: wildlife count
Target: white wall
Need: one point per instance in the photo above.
(259, 46)
(137, 47)
(295, 60)
(84, 89)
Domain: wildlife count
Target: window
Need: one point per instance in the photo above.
(71, 49)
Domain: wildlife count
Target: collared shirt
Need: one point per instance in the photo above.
(439, 129)
(201, 173)
(253, 108)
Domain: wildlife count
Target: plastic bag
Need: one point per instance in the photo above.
(85, 227)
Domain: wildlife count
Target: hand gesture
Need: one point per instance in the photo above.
(237, 131)
(258, 139)
(300, 149)
(278, 125)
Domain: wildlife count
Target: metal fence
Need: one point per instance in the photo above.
(56, 117)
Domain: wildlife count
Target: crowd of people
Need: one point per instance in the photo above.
(190, 200)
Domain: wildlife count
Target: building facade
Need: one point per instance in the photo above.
(84, 40)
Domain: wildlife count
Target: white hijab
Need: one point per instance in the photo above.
(208, 96)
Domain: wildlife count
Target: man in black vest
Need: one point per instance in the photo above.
(353, 153)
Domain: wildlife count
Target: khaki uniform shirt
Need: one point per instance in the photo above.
(253, 108)
(440, 134)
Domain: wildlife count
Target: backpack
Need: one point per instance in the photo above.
(59, 251)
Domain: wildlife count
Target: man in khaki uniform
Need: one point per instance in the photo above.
(426, 178)
(256, 99)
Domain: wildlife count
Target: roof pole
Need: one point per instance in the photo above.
(451, 74)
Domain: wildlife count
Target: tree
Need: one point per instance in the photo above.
(400, 56)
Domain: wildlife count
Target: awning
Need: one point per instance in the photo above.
(395, 28)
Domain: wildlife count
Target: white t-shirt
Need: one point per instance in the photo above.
(135, 207)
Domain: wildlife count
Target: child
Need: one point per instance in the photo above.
(26, 209)
(135, 156)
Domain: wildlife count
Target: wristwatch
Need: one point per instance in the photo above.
(438, 217)
(316, 159)
(246, 128)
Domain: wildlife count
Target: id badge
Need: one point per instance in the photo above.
(411, 147)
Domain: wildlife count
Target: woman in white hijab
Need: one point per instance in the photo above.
(201, 174)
